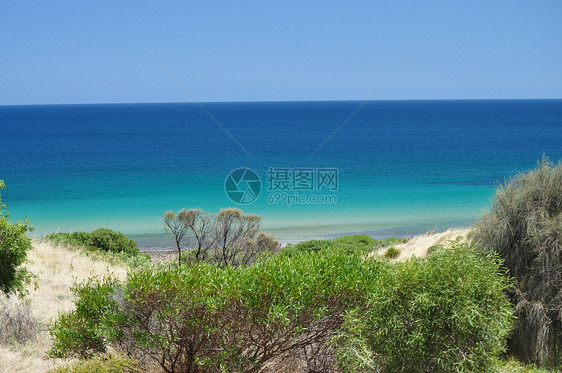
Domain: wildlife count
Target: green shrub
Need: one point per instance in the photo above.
(351, 244)
(85, 331)
(513, 366)
(434, 248)
(14, 245)
(108, 240)
(103, 239)
(389, 242)
(71, 239)
(524, 226)
(199, 317)
(133, 261)
(310, 246)
(101, 364)
(358, 240)
(391, 253)
(444, 313)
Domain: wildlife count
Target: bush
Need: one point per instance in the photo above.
(71, 239)
(358, 241)
(108, 240)
(351, 244)
(391, 253)
(434, 248)
(14, 245)
(16, 321)
(102, 364)
(310, 246)
(444, 313)
(200, 317)
(85, 331)
(524, 226)
(103, 239)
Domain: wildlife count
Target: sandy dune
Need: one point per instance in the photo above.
(56, 269)
(418, 245)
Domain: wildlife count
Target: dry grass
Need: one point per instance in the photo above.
(418, 245)
(56, 269)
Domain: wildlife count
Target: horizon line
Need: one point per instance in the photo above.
(282, 101)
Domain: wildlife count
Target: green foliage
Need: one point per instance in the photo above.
(71, 239)
(118, 258)
(434, 248)
(351, 244)
(14, 245)
(513, 366)
(108, 240)
(199, 316)
(101, 364)
(2, 187)
(391, 253)
(524, 226)
(444, 313)
(85, 331)
(361, 240)
(310, 246)
(389, 242)
(103, 239)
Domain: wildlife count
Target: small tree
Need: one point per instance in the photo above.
(202, 226)
(177, 225)
(14, 244)
(524, 226)
(227, 238)
(235, 231)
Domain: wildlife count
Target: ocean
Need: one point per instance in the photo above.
(310, 169)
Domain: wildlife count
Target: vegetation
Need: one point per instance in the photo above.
(326, 304)
(16, 321)
(435, 248)
(440, 314)
(351, 244)
(311, 246)
(101, 364)
(200, 317)
(524, 226)
(103, 239)
(14, 245)
(83, 332)
(391, 253)
(229, 237)
(514, 366)
(447, 312)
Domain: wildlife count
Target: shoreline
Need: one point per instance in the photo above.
(164, 253)
(162, 242)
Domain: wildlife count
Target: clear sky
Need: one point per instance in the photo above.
(78, 52)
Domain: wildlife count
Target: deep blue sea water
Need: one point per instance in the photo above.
(403, 167)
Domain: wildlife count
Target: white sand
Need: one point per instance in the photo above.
(418, 245)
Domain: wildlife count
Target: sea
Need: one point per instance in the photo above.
(310, 169)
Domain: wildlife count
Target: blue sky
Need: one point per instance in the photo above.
(73, 52)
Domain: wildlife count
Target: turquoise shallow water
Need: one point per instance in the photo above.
(403, 167)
